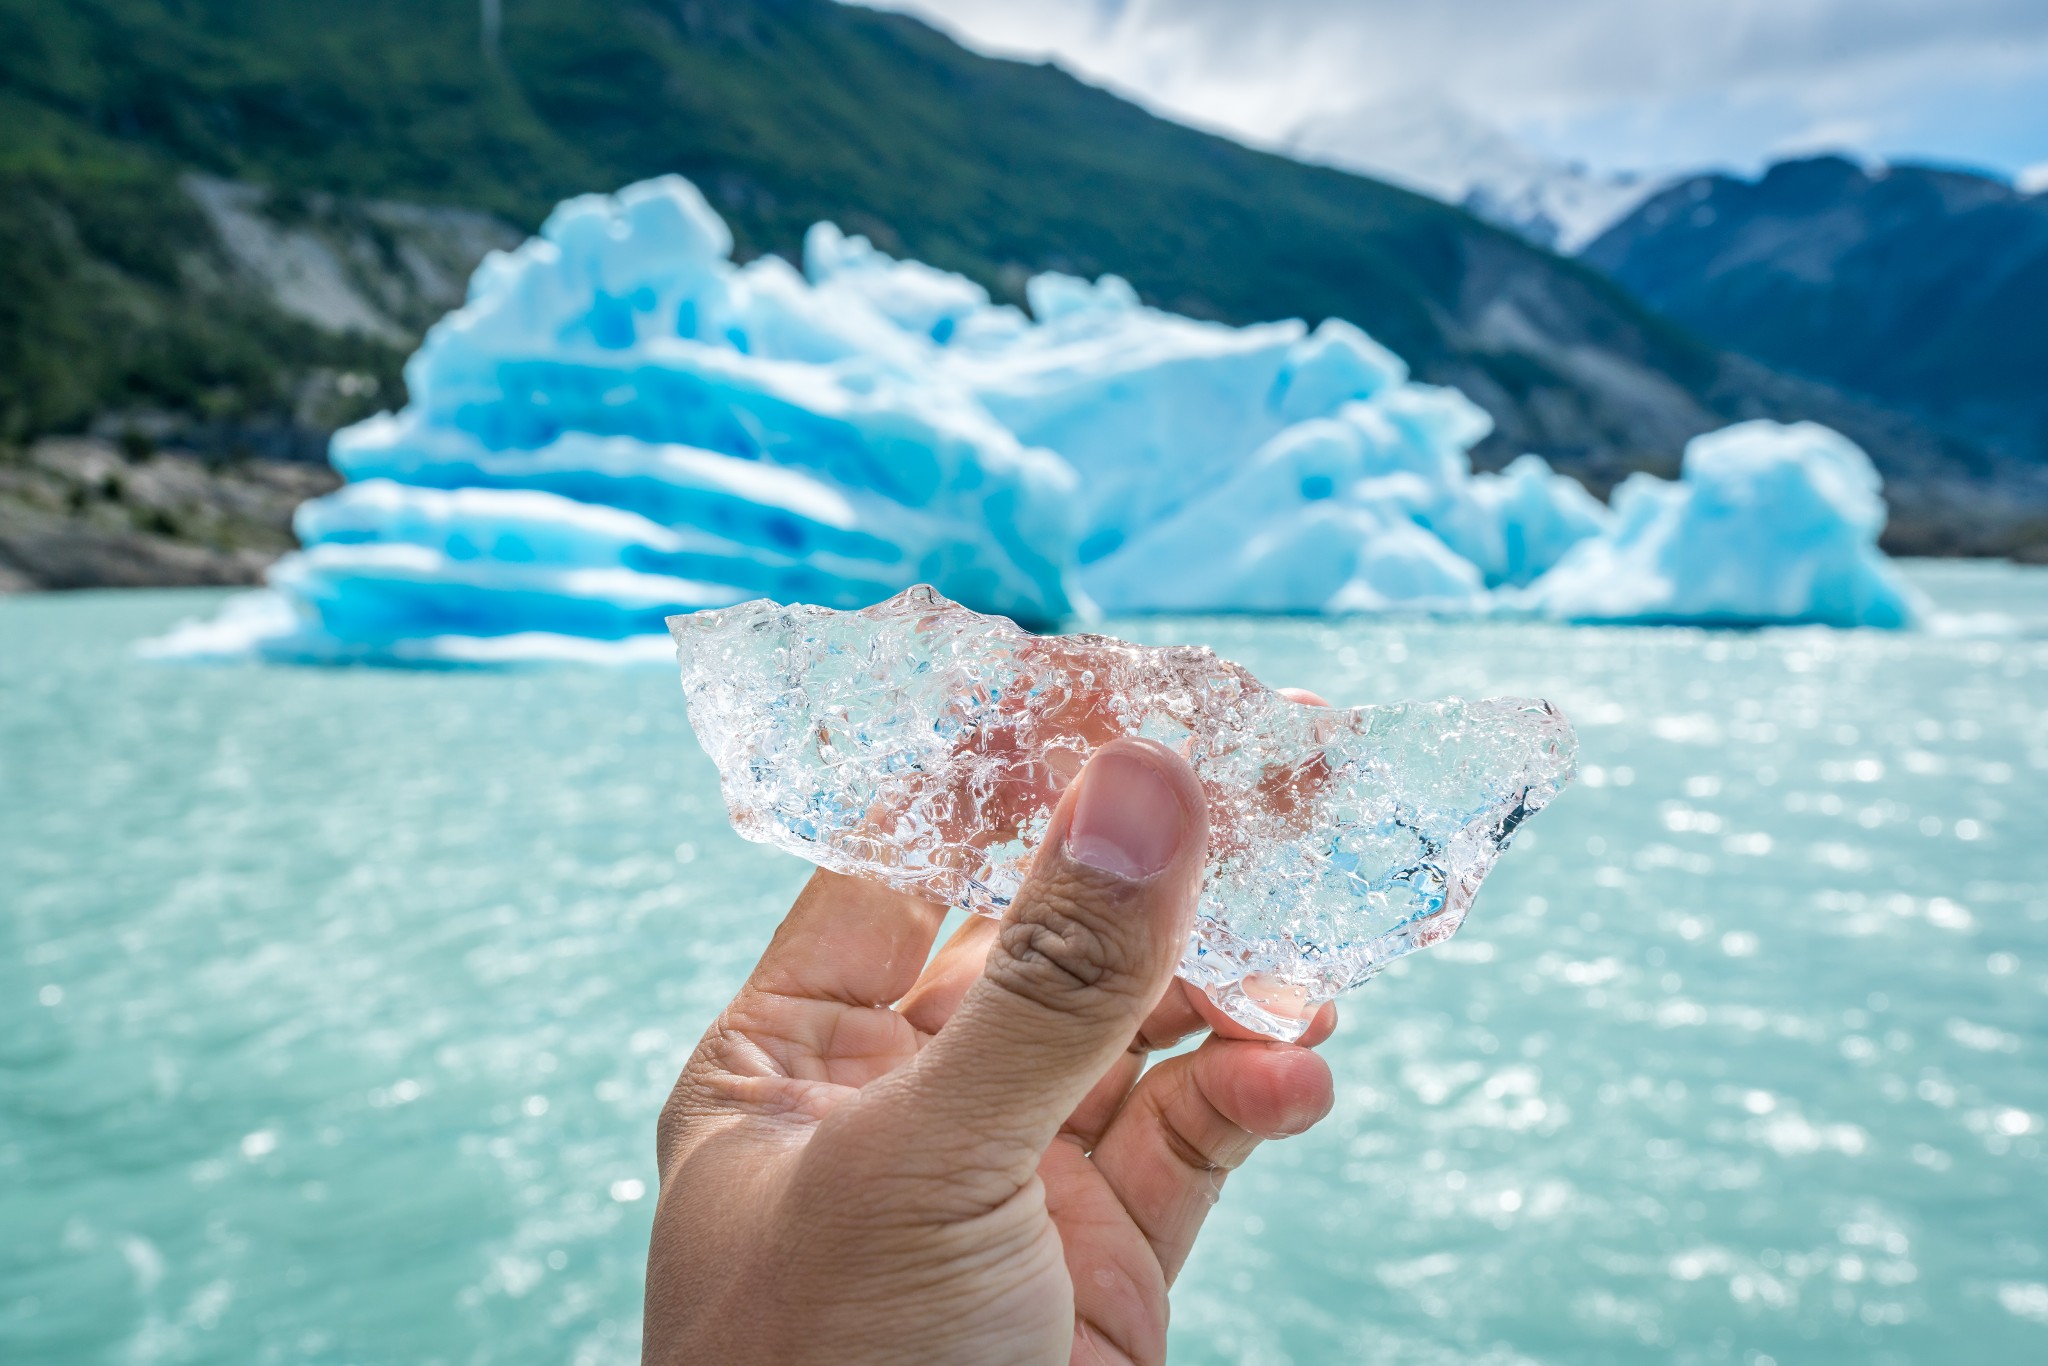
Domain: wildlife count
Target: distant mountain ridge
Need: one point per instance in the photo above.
(1923, 287)
(361, 136)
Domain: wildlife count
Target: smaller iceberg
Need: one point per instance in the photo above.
(1767, 523)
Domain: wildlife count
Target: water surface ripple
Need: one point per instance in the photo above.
(336, 1008)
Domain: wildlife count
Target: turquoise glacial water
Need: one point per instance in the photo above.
(336, 1008)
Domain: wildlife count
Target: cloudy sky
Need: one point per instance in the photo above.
(1618, 84)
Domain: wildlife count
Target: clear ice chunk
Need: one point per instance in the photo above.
(923, 745)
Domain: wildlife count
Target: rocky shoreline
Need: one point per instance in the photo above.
(83, 513)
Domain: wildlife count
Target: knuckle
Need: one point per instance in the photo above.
(678, 1118)
(697, 1095)
(1065, 953)
(1198, 1137)
(1187, 1152)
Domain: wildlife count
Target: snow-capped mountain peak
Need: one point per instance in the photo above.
(1436, 147)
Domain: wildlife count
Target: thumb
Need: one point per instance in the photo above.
(1086, 950)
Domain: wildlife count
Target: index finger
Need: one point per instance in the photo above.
(848, 940)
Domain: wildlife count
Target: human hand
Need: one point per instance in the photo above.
(869, 1159)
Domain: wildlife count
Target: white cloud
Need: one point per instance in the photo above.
(1617, 82)
(1826, 135)
(2033, 179)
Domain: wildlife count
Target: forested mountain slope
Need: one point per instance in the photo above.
(233, 216)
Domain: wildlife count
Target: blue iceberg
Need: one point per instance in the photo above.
(1767, 523)
(621, 424)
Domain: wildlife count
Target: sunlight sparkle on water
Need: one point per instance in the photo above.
(336, 1007)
